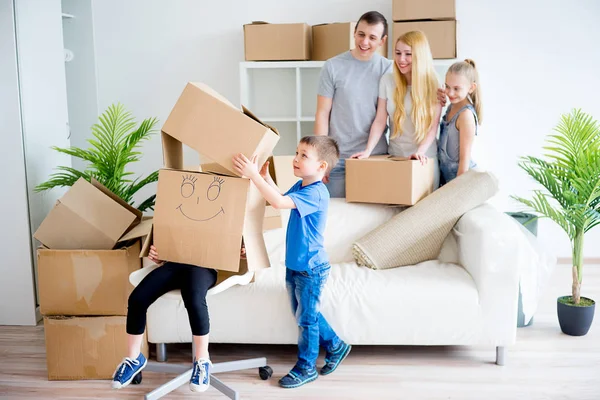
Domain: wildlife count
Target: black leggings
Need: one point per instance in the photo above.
(193, 281)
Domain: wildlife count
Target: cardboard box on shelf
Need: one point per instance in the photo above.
(85, 347)
(277, 42)
(440, 34)
(332, 39)
(388, 180)
(208, 123)
(90, 282)
(87, 217)
(412, 10)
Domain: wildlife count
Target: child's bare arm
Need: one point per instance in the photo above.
(249, 169)
(466, 127)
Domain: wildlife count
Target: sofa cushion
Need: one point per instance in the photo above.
(417, 234)
(346, 223)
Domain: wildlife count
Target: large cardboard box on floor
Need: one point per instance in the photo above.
(277, 42)
(88, 216)
(90, 282)
(201, 218)
(414, 10)
(208, 123)
(440, 34)
(388, 180)
(85, 347)
(332, 39)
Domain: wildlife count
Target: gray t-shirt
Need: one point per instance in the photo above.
(354, 87)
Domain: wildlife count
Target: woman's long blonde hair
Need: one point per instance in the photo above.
(424, 87)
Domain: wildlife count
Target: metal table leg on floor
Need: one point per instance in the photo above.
(185, 372)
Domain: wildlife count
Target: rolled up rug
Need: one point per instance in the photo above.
(416, 234)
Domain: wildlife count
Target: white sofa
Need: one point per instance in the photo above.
(468, 296)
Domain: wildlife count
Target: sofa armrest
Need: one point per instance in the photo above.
(491, 247)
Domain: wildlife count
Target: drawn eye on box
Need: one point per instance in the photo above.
(189, 193)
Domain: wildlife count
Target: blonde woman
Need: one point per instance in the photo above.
(409, 96)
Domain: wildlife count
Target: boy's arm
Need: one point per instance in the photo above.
(249, 169)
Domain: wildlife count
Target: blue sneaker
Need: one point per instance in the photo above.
(298, 377)
(200, 380)
(127, 370)
(335, 358)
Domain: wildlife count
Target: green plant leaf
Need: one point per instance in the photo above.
(113, 147)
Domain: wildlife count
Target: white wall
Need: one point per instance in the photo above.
(17, 292)
(80, 72)
(33, 67)
(537, 58)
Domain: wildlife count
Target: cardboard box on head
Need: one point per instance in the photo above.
(202, 217)
(208, 123)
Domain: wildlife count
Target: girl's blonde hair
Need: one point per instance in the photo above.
(467, 69)
(424, 87)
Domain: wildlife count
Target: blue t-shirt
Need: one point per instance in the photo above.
(306, 227)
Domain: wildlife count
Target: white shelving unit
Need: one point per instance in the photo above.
(284, 94)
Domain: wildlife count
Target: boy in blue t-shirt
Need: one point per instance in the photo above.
(307, 263)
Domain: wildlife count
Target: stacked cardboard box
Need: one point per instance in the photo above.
(299, 41)
(277, 42)
(332, 39)
(202, 217)
(91, 243)
(435, 18)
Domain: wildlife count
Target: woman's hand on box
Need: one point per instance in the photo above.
(419, 156)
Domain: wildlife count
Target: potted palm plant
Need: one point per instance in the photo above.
(114, 146)
(570, 175)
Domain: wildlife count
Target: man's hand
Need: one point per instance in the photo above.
(245, 167)
(361, 154)
(441, 96)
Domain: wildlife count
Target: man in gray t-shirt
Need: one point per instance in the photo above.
(347, 95)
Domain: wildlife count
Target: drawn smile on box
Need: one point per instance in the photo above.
(188, 187)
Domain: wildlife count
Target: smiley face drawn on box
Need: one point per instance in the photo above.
(196, 200)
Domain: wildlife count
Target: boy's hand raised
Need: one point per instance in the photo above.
(264, 171)
(245, 167)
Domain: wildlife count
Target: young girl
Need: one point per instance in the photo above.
(459, 125)
(193, 282)
(409, 96)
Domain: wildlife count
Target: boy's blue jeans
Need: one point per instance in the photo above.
(304, 289)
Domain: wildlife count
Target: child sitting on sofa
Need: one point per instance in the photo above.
(307, 263)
